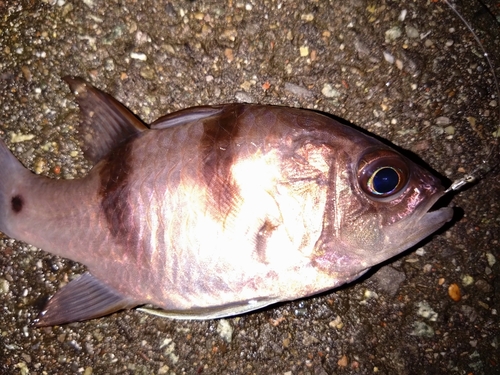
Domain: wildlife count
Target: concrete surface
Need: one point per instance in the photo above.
(420, 82)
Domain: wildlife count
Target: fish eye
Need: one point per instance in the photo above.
(382, 173)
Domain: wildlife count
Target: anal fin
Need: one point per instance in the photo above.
(82, 299)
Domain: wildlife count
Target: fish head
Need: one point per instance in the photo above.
(382, 205)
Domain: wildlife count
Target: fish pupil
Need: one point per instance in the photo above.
(384, 180)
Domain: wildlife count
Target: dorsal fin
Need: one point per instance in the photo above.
(187, 115)
(105, 121)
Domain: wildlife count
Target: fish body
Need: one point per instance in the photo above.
(215, 211)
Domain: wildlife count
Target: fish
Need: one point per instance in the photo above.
(215, 211)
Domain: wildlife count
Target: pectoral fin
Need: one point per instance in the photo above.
(82, 299)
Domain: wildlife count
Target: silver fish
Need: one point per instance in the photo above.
(217, 210)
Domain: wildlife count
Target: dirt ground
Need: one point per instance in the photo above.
(408, 71)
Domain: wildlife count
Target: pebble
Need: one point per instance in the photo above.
(411, 32)
(298, 90)
(420, 252)
(230, 34)
(228, 52)
(336, 323)
(169, 350)
(138, 56)
(393, 33)
(467, 280)
(343, 362)
(247, 85)
(4, 286)
(483, 286)
(388, 57)
(163, 370)
(442, 120)
(454, 292)
(329, 92)
(26, 73)
(402, 15)
(426, 311)
(307, 17)
(309, 339)
(109, 65)
(449, 130)
(491, 259)
(243, 97)
(17, 138)
(225, 330)
(423, 330)
(388, 280)
(147, 73)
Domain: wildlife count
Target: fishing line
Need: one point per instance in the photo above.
(484, 168)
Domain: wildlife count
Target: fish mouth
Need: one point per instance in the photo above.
(427, 218)
(434, 214)
(431, 218)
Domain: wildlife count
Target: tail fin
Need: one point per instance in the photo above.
(12, 175)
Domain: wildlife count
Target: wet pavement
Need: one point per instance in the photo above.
(409, 72)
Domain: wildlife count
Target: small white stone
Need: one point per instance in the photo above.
(402, 15)
(393, 33)
(491, 259)
(425, 311)
(225, 330)
(467, 280)
(307, 17)
(4, 286)
(420, 251)
(388, 57)
(412, 32)
(442, 120)
(329, 91)
(138, 56)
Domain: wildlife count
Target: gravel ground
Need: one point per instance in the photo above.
(408, 71)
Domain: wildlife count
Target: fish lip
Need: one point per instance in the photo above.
(439, 216)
